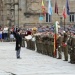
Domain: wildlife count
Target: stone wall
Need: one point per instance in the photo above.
(55, 17)
(34, 10)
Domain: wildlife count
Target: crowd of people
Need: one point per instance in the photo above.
(65, 39)
(3, 33)
(6, 33)
(64, 42)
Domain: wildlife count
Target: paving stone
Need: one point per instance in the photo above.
(32, 63)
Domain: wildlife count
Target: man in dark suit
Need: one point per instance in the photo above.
(18, 42)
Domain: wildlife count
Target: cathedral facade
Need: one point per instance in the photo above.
(29, 12)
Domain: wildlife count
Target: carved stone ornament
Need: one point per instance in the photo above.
(34, 6)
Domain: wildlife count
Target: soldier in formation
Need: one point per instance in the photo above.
(45, 43)
(72, 49)
(59, 46)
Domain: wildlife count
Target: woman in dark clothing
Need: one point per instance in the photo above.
(18, 37)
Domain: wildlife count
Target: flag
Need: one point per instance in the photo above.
(43, 8)
(64, 12)
(55, 35)
(67, 7)
(41, 18)
(55, 45)
(49, 8)
(56, 26)
(56, 7)
(43, 4)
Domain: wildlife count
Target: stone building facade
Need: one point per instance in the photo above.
(35, 9)
(1, 12)
(29, 12)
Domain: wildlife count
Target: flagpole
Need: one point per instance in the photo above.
(64, 23)
(55, 37)
(55, 40)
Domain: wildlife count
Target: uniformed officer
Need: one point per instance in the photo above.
(38, 42)
(45, 43)
(59, 46)
(51, 45)
(65, 46)
(72, 52)
(23, 38)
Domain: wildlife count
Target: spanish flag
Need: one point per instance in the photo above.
(43, 8)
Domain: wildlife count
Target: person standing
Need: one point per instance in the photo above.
(18, 37)
(65, 46)
(5, 32)
(1, 35)
(59, 46)
(23, 38)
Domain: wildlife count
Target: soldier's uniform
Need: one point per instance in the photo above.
(72, 52)
(38, 42)
(32, 41)
(28, 43)
(39, 45)
(45, 45)
(69, 43)
(23, 39)
(49, 46)
(52, 45)
(59, 46)
(65, 47)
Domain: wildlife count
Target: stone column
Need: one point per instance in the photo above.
(17, 13)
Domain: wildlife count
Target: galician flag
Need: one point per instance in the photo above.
(49, 8)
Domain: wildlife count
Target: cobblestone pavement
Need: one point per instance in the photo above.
(32, 63)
